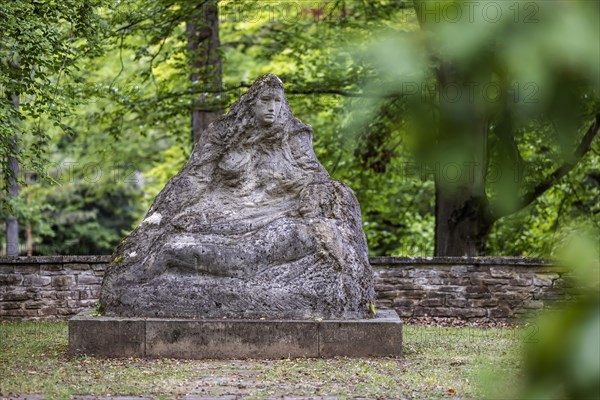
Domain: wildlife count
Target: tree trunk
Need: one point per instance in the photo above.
(462, 224)
(462, 213)
(203, 44)
(28, 232)
(12, 225)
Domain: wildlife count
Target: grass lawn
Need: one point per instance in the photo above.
(438, 362)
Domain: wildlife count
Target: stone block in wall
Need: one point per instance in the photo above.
(51, 269)
(477, 291)
(405, 312)
(18, 313)
(478, 268)
(51, 294)
(383, 287)
(55, 303)
(544, 279)
(403, 303)
(35, 304)
(430, 311)
(499, 312)
(564, 282)
(436, 295)
(80, 267)
(67, 295)
(47, 311)
(10, 305)
(434, 302)
(407, 285)
(383, 304)
(518, 290)
(460, 303)
(520, 281)
(7, 269)
(503, 272)
(62, 281)
(451, 312)
(533, 304)
(431, 273)
(99, 267)
(27, 268)
(65, 311)
(459, 269)
(447, 288)
(513, 304)
(16, 296)
(81, 303)
(494, 281)
(428, 280)
(407, 294)
(457, 281)
(466, 313)
(551, 295)
(483, 303)
(402, 290)
(10, 279)
(477, 277)
(88, 279)
(391, 273)
(34, 280)
(89, 294)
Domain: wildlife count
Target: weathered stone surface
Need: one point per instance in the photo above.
(10, 279)
(377, 337)
(88, 279)
(112, 337)
(199, 339)
(16, 296)
(6, 269)
(27, 269)
(251, 227)
(499, 312)
(36, 280)
(63, 280)
(224, 338)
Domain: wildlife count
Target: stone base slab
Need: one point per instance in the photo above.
(235, 339)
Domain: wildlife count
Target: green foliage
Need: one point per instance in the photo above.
(506, 99)
(40, 48)
(112, 90)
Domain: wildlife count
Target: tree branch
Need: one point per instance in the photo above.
(541, 188)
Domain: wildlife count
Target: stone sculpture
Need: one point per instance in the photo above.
(251, 227)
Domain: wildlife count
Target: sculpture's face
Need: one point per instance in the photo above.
(267, 106)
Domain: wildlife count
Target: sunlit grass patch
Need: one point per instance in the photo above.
(438, 362)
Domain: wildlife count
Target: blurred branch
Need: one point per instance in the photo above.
(583, 147)
(245, 85)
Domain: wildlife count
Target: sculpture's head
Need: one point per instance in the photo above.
(260, 120)
(267, 105)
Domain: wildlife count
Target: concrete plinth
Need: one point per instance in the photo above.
(235, 339)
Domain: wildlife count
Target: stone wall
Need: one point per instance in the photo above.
(53, 287)
(469, 287)
(58, 287)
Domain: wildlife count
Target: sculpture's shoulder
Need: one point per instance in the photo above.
(330, 198)
(297, 128)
